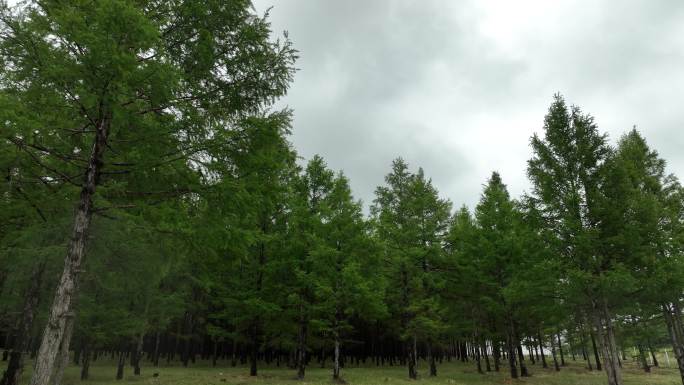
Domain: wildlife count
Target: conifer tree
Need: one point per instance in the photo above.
(99, 89)
(412, 221)
(565, 174)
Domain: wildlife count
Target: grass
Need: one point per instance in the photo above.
(102, 372)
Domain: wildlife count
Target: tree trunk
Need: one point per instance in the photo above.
(85, 362)
(214, 356)
(521, 360)
(606, 341)
(63, 354)
(585, 354)
(336, 364)
(413, 358)
(674, 330)
(301, 343)
(155, 355)
(431, 358)
(642, 359)
(254, 350)
(553, 354)
(55, 331)
(137, 355)
(478, 360)
(511, 356)
(530, 353)
(121, 364)
(486, 356)
(596, 353)
(15, 367)
(560, 349)
(496, 352)
(541, 350)
(653, 356)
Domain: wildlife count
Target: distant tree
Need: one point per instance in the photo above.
(412, 221)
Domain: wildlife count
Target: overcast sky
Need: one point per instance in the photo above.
(458, 87)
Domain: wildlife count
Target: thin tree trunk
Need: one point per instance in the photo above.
(553, 354)
(55, 331)
(137, 355)
(85, 362)
(521, 360)
(530, 353)
(511, 356)
(653, 356)
(585, 354)
(214, 356)
(541, 350)
(674, 330)
(336, 364)
(254, 350)
(15, 367)
(412, 358)
(596, 352)
(301, 342)
(155, 355)
(121, 364)
(606, 340)
(642, 359)
(478, 360)
(431, 358)
(560, 349)
(496, 352)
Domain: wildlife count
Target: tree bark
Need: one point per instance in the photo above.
(63, 354)
(541, 350)
(606, 341)
(55, 331)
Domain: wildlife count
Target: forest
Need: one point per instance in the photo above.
(153, 212)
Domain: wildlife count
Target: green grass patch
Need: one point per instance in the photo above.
(103, 372)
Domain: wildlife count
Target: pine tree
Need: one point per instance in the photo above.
(412, 221)
(151, 81)
(565, 174)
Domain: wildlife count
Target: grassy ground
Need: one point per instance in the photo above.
(103, 372)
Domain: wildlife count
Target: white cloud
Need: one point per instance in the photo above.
(459, 87)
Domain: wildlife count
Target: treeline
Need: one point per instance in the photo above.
(139, 140)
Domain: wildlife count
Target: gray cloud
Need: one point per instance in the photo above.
(458, 87)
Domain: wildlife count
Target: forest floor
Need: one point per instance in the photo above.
(103, 373)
